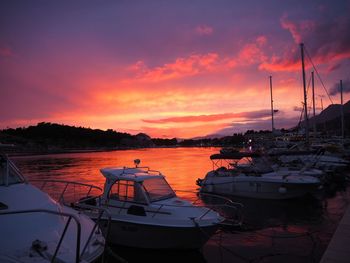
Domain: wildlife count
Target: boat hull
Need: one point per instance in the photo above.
(261, 190)
(158, 237)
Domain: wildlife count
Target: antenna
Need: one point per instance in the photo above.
(305, 95)
(313, 103)
(137, 162)
(272, 120)
(342, 109)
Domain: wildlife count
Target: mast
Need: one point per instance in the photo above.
(342, 109)
(313, 102)
(272, 120)
(305, 95)
(324, 123)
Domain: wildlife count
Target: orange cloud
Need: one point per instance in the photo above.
(182, 67)
(196, 64)
(251, 53)
(276, 64)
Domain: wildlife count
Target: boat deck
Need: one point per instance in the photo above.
(338, 249)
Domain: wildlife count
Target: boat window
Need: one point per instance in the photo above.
(124, 190)
(158, 189)
(8, 175)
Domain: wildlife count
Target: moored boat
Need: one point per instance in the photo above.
(35, 228)
(279, 184)
(146, 212)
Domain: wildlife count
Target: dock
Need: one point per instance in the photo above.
(338, 250)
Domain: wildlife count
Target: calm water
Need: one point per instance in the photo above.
(273, 231)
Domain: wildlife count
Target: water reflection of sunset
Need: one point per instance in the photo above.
(181, 166)
(288, 227)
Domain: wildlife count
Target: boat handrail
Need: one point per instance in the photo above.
(68, 215)
(67, 183)
(211, 195)
(237, 207)
(102, 211)
(147, 170)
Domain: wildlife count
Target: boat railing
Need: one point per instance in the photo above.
(82, 204)
(69, 216)
(146, 169)
(102, 214)
(67, 192)
(231, 211)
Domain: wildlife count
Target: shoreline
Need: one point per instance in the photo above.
(12, 153)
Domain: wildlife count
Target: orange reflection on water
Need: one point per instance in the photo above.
(181, 166)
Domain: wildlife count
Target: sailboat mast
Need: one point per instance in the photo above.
(342, 109)
(313, 102)
(305, 95)
(272, 120)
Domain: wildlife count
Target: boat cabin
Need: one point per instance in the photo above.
(137, 185)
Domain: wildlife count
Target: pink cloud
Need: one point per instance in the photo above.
(285, 62)
(250, 53)
(182, 67)
(298, 30)
(6, 51)
(204, 30)
(325, 41)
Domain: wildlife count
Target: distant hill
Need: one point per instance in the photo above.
(48, 137)
(329, 120)
(51, 137)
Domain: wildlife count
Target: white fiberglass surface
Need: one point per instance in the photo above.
(19, 231)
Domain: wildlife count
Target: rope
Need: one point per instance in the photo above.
(318, 75)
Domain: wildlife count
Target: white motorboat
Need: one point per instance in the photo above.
(147, 213)
(35, 228)
(279, 184)
(326, 163)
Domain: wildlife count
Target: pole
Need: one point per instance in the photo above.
(305, 96)
(272, 120)
(324, 123)
(342, 109)
(313, 103)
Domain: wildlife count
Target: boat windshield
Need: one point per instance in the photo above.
(158, 189)
(8, 173)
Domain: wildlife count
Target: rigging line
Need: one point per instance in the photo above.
(307, 92)
(307, 89)
(318, 75)
(301, 117)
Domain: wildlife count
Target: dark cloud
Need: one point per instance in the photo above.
(335, 89)
(297, 108)
(259, 125)
(214, 117)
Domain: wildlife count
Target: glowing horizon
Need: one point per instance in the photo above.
(138, 67)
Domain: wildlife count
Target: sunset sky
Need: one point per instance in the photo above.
(168, 68)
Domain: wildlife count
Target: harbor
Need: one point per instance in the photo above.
(174, 131)
(272, 230)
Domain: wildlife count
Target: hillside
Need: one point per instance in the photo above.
(56, 137)
(329, 120)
